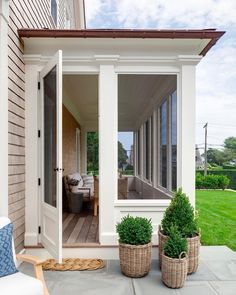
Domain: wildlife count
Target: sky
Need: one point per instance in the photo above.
(216, 73)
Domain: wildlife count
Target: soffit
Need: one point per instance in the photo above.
(138, 95)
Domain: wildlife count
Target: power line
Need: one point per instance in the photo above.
(225, 126)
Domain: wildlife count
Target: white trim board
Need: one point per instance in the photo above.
(4, 15)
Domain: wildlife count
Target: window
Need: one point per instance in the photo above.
(151, 150)
(54, 11)
(174, 141)
(138, 153)
(78, 149)
(68, 22)
(168, 143)
(163, 144)
(92, 152)
(147, 150)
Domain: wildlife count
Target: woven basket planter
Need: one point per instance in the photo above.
(135, 261)
(162, 240)
(174, 271)
(193, 253)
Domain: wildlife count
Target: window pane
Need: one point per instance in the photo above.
(125, 152)
(147, 152)
(50, 138)
(54, 10)
(163, 144)
(151, 170)
(174, 139)
(92, 153)
(138, 153)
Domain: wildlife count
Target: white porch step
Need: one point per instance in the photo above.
(102, 252)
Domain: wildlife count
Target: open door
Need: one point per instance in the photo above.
(51, 205)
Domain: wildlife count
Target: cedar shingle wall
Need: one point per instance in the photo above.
(69, 142)
(27, 14)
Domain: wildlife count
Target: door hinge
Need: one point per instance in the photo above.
(38, 85)
(39, 133)
(39, 181)
(39, 229)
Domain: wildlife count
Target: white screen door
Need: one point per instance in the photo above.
(51, 206)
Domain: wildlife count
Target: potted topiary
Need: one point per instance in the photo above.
(135, 245)
(174, 260)
(181, 213)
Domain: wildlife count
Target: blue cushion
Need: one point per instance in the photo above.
(7, 264)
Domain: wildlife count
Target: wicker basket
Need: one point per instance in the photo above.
(193, 253)
(162, 240)
(174, 271)
(135, 261)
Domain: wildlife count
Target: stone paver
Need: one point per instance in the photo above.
(216, 276)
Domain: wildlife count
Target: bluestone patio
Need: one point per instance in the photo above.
(216, 275)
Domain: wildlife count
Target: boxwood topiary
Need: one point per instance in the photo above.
(175, 244)
(134, 230)
(180, 213)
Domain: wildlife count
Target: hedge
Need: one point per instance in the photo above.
(230, 173)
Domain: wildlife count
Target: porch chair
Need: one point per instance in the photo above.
(12, 281)
(83, 183)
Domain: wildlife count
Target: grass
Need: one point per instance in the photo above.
(217, 217)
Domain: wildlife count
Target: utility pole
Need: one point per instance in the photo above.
(205, 150)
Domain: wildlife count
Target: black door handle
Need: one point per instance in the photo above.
(56, 169)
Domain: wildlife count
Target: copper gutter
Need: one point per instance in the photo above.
(121, 33)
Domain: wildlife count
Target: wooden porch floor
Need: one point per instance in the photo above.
(80, 229)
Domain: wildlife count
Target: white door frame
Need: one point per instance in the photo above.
(51, 217)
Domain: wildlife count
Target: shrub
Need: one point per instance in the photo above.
(128, 172)
(199, 180)
(134, 230)
(211, 181)
(175, 244)
(181, 214)
(228, 166)
(223, 181)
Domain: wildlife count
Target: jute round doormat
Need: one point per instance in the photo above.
(73, 264)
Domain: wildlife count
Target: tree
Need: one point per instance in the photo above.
(122, 155)
(215, 156)
(230, 143)
(92, 151)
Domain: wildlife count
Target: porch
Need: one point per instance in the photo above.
(216, 276)
(147, 88)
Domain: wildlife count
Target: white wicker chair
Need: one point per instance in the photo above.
(20, 283)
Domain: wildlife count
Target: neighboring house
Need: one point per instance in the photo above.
(198, 159)
(141, 81)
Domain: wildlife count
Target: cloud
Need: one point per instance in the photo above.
(216, 73)
(93, 8)
(162, 13)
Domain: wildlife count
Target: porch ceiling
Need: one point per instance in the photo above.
(137, 95)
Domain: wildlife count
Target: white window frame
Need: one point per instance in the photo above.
(169, 143)
(78, 149)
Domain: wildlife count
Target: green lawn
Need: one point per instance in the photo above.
(217, 217)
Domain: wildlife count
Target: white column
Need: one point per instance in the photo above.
(4, 14)
(32, 158)
(107, 152)
(186, 131)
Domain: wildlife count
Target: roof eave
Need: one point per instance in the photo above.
(211, 34)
